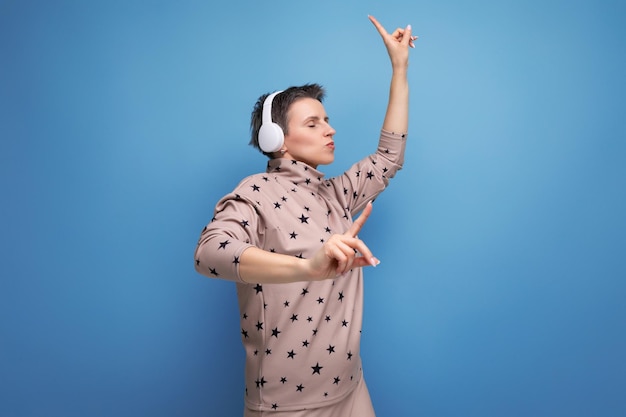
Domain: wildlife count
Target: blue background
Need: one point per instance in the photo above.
(501, 289)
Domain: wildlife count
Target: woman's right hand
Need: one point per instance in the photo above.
(343, 252)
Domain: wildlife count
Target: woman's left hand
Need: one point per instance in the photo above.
(397, 43)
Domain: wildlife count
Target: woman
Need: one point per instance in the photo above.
(286, 237)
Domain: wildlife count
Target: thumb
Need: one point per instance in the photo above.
(406, 36)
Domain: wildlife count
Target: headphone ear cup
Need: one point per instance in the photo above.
(271, 137)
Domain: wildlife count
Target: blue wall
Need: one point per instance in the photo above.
(501, 288)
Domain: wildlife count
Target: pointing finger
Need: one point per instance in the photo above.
(356, 227)
(379, 27)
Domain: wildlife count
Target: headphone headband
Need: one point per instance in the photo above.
(267, 107)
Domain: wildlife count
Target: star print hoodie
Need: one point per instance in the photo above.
(301, 339)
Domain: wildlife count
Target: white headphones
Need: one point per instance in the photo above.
(271, 136)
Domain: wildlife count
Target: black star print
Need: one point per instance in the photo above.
(331, 349)
(268, 351)
(316, 369)
(291, 354)
(275, 332)
(236, 260)
(350, 355)
(260, 382)
(320, 300)
(327, 229)
(197, 261)
(336, 380)
(344, 323)
(244, 333)
(213, 271)
(309, 319)
(286, 303)
(345, 191)
(259, 325)
(277, 205)
(327, 319)
(284, 199)
(370, 175)
(307, 181)
(245, 316)
(293, 235)
(283, 380)
(341, 296)
(314, 332)
(258, 288)
(255, 188)
(265, 178)
(256, 352)
(385, 169)
(305, 343)
(299, 387)
(274, 406)
(245, 223)
(306, 208)
(304, 292)
(223, 244)
(304, 219)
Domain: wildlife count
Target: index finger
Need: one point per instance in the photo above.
(379, 27)
(360, 221)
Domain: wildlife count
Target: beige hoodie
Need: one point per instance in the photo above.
(301, 339)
